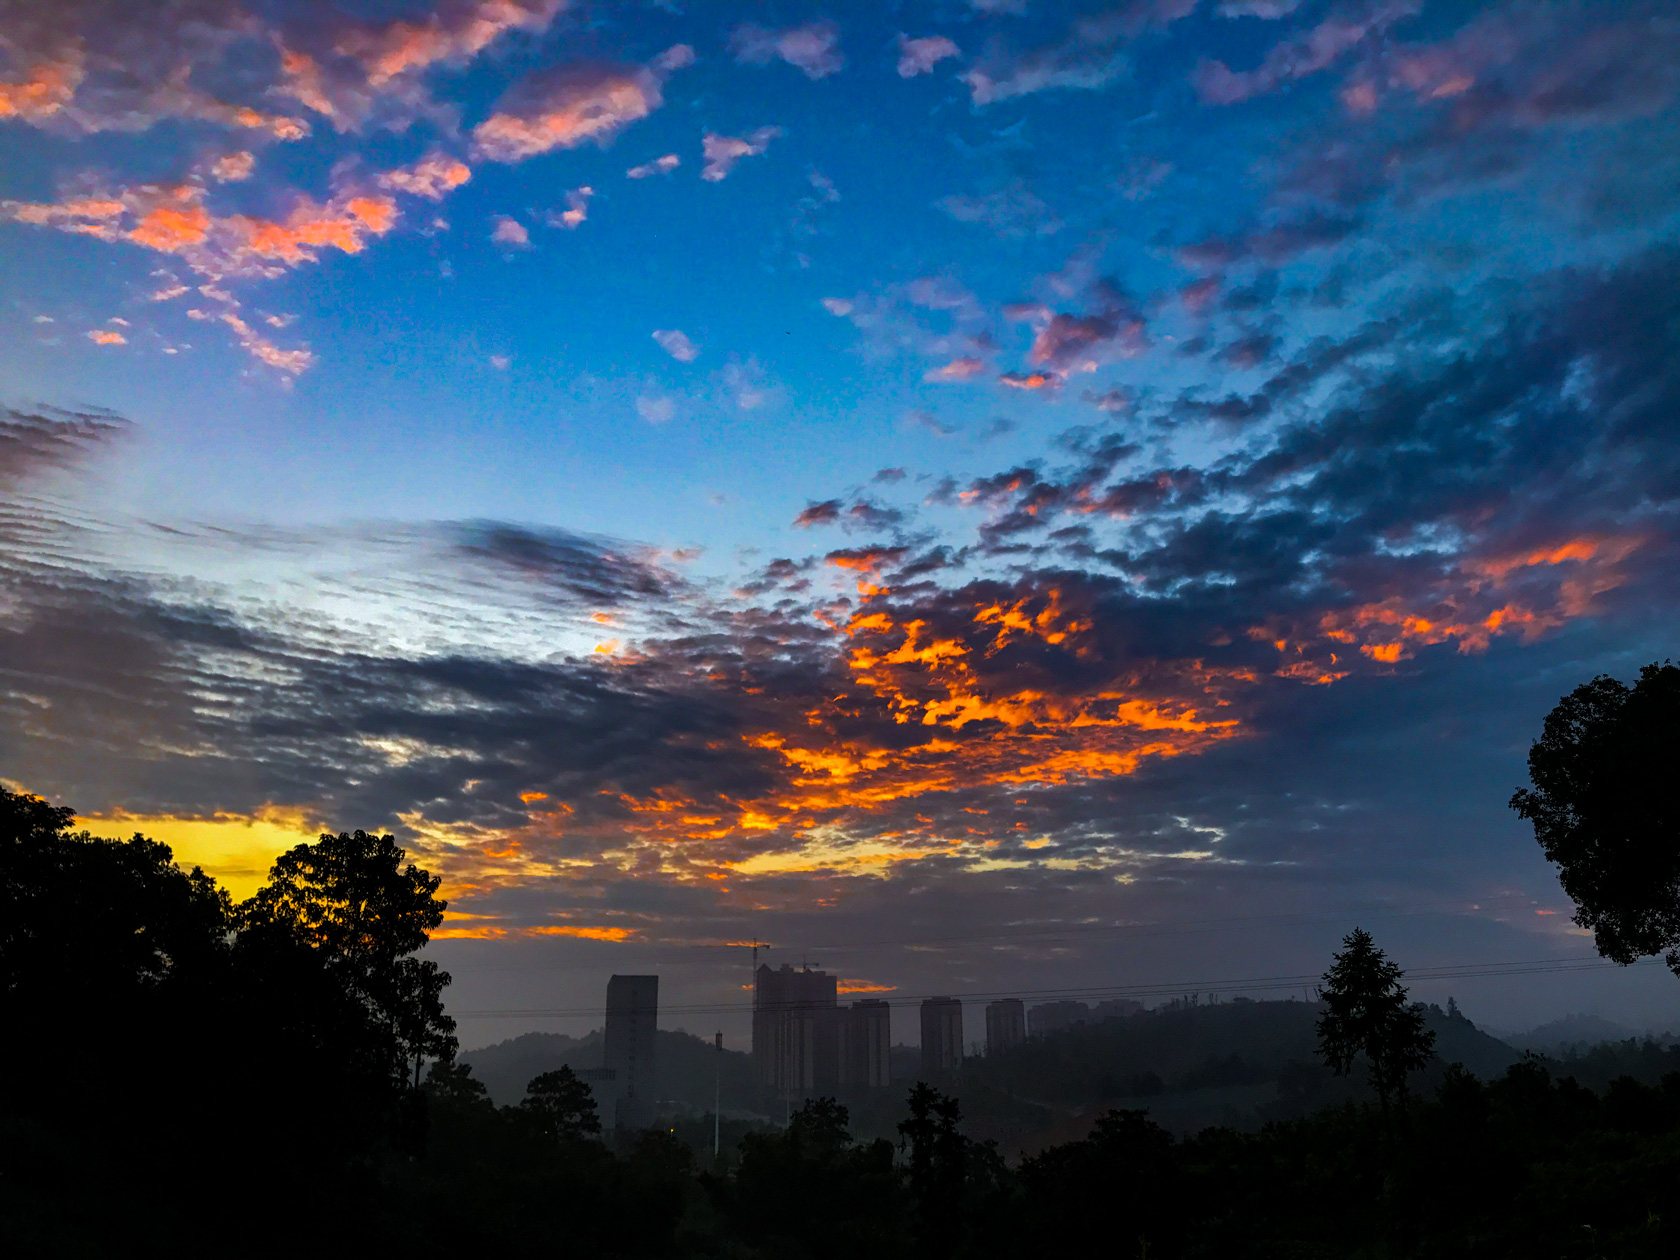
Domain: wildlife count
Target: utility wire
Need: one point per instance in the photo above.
(1146, 929)
(1528, 967)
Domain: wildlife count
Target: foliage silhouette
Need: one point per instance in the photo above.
(563, 1105)
(796, 1192)
(238, 1055)
(349, 901)
(1366, 1014)
(1606, 810)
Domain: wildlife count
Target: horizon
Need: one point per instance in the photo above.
(986, 496)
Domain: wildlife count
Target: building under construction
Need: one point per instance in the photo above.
(806, 1044)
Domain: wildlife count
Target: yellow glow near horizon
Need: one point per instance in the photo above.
(235, 850)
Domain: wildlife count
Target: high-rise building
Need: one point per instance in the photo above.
(632, 1017)
(865, 1045)
(603, 1088)
(942, 1036)
(796, 1030)
(1006, 1024)
(1053, 1017)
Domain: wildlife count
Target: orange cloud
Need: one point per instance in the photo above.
(174, 219)
(925, 715)
(103, 337)
(1028, 380)
(491, 932)
(48, 87)
(585, 933)
(1469, 608)
(173, 225)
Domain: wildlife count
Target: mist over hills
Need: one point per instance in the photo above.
(1577, 1032)
(1190, 1065)
(686, 1067)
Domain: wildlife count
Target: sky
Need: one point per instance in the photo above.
(983, 496)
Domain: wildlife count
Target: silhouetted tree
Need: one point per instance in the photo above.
(351, 904)
(454, 1083)
(563, 1105)
(938, 1167)
(1606, 809)
(1366, 1013)
(796, 1192)
(85, 918)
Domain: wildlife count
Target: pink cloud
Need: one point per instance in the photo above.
(574, 105)
(294, 362)
(431, 177)
(452, 34)
(723, 152)
(920, 56)
(576, 211)
(964, 369)
(510, 232)
(813, 48)
(233, 167)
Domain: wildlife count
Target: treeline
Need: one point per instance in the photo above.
(191, 1076)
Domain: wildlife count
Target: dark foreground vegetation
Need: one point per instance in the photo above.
(204, 1078)
(187, 1076)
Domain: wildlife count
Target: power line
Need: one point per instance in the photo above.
(1146, 929)
(1252, 984)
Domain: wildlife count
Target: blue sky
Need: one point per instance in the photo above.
(703, 471)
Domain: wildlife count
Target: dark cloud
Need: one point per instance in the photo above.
(32, 442)
(594, 570)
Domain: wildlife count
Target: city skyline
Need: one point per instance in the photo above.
(988, 497)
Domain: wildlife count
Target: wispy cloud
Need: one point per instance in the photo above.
(659, 166)
(920, 56)
(813, 47)
(1306, 54)
(432, 177)
(571, 105)
(723, 152)
(676, 343)
(576, 211)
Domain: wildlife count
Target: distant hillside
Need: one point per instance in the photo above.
(1570, 1032)
(1192, 1047)
(1236, 1063)
(686, 1064)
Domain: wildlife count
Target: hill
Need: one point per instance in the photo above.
(1572, 1032)
(685, 1067)
(1235, 1063)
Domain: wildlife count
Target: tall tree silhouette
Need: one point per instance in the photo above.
(938, 1167)
(351, 904)
(1366, 1013)
(1606, 809)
